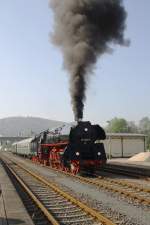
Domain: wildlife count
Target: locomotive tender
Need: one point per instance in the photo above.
(71, 148)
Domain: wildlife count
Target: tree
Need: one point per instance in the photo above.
(120, 125)
(117, 125)
(144, 127)
(132, 127)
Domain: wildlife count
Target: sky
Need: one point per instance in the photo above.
(34, 83)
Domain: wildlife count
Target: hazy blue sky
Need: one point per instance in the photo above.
(32, 79)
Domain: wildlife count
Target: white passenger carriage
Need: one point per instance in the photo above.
(24, 148)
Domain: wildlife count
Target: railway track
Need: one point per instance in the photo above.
(130, 190)
(130, 171)
(133, 191)
(52, 204)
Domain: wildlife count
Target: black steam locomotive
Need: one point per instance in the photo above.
(73, 149)
(83, 148)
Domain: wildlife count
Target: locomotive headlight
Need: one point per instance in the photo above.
(99, 153)
(77, 153)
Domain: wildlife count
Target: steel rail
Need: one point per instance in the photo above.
(129, 184)
(121, 182)
(105, 183)
(33, 197)
(94, 214)
(128, 170)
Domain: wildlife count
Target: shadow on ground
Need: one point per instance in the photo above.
(10, 221)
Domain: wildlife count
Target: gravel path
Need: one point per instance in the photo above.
(111, 204)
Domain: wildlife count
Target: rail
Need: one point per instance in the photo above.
(22, 175)
(128, 189)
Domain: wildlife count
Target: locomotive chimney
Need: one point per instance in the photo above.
(79, 120)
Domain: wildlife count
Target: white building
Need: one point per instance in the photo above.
(124, 145)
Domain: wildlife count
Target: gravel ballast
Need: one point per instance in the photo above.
(113, 205)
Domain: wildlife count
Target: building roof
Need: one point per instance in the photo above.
(25, 141)
(126, 135)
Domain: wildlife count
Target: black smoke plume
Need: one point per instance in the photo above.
(84, 30)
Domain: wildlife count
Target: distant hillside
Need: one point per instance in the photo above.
(25, 126)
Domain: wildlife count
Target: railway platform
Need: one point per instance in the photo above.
(139, 168)
(126, 162)
(12, 210)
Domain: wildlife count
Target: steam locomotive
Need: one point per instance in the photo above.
(71, 148)
(74, 151)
